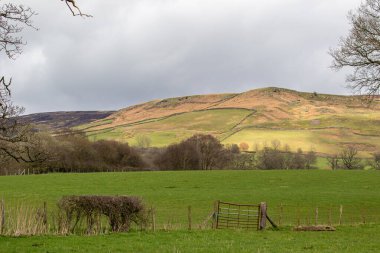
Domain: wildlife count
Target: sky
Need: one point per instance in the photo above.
(133, 51)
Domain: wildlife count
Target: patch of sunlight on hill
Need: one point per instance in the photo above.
(329, 141)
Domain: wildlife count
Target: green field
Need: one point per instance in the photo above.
(170, 193)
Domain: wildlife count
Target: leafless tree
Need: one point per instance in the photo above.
(349, 157)
(17, 139)
(360, 50)
(13, 19)
(376, 161)
(333, 162)
(143, 141)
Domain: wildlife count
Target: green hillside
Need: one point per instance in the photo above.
(325, 123)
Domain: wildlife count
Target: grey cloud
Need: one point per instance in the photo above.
(138, 50)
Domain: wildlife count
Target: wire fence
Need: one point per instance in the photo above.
(27, 219)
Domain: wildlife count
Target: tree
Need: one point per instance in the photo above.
(143, 141)
(208, 148)
(349, 158)
(244, 146)
(333, 162)
(376, 161)
(13, 19)
(199, 152)
(310, 159)
(360, 50)
(17, 139)
(298, 160)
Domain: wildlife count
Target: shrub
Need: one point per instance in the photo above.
(121, 212)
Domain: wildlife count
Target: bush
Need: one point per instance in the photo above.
(121, 212)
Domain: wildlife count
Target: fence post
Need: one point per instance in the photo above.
(281, 214)
(2, 222)
(45, 217)
(330, 216)
(154, 220)
(316, 216)
(215, 218)
(189, 216)
(263, 215)
(340, 214)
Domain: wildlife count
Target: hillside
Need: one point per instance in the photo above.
(61, 120)
(306, 120)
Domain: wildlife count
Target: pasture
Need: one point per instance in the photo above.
(170, 193)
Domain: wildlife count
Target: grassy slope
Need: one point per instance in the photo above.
(172, 192)
(324, 122)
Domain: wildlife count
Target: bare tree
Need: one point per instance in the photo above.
(13, 19)
(360, 50)
(333, 162)
(17, 139)
(376, 161)
(349, 157)
(143, 141)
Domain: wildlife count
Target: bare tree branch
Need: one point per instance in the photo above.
(76, 7)
(360, 50)
(13, 19)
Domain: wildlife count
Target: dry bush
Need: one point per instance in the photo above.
(121, 212)
(23, 221)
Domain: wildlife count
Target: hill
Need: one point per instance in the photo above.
(306, 120)
(63, 120)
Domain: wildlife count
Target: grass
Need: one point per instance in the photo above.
(345, 239)
(171, 192)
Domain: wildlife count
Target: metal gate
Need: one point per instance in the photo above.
(229, 215)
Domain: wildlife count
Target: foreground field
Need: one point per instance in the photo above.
(346, 239)
(170, 193)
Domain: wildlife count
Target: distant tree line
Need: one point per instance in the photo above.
(74, 153)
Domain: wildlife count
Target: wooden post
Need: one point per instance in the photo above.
(216, 211)
(45, 217)
(153, 220)
(189, 216)
(298, 216)
(263, 215)
(2, 222)
(281, 214)
(363, 216)
(316, 216)
(330, 217)
(340, 214)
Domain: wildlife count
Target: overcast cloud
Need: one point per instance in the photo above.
(138, 50)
